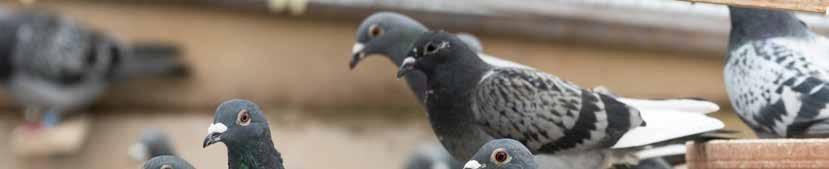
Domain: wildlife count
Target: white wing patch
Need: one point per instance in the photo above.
(664, 125)
(492, 60)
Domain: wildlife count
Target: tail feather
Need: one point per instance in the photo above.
(666, 125)
(683, 105)
(152, 60)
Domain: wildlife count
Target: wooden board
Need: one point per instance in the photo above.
(766, 154)
(817, 6)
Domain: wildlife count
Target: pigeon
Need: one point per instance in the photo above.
(432, 156)
(167, 162)
(502, 154)
(243, 128)
(470, 102)
(154, 142)
(776, 73)
(390, 34)
(52, 64)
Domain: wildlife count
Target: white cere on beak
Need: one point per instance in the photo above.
(408, 60)
(216, 128)
(473, 164)
(358, 47)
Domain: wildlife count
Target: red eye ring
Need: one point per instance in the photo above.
(500, 156)
(375, 31)
(243, 117)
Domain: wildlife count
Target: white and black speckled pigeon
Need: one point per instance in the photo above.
(243, 128)
(50, 63)
(153, 143)
(431, 156)
(470, 102)
(167, 162)
(776, 74)
(390, 34)
(502, 154)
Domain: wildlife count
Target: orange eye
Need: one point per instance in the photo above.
(244, 118)
(375, 31)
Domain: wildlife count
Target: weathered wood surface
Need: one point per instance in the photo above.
(816, 6)
(765, 154)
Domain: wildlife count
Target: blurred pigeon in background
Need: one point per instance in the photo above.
(431, 156)
(167, 162)
(54, 64)
(153, 143)
(776, 74)
(502, 154)
(243, 128)
(470, 102)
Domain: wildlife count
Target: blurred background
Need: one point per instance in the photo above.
(291, 56)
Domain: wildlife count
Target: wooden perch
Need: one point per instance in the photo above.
(818, 6)
(768, 153)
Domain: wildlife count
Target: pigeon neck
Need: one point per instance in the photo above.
(451, 117)
(415, 79)
(255, 155)
(756, 24)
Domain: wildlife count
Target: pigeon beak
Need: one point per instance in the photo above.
(214, 134)
(406, 67)
(357, 55)
(473, 164)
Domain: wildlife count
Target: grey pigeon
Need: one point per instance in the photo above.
(470, 102)
(390, 34)
(502, 154)
(53, 64)
(243, 128)
(153, 143)
(167, 162)
(431, 156)
(776, 74)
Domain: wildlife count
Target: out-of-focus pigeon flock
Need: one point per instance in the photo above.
(485, 111)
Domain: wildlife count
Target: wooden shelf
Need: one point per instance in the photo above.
(766, 153)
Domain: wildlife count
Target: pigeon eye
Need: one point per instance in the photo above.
(166, 167)
(430, 48)
(244, 118)
(500, 156)
(375, 31)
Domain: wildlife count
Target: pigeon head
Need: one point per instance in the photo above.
(753, 23)
(502, 154)
(435, 49)
(238, 123)
(154, 142)
(167, 162)
(385, 33)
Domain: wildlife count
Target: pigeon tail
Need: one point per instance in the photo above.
(664, 125)
(681, 105)
(151, 60)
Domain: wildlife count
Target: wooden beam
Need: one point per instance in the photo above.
(766, 153)
(817, 6)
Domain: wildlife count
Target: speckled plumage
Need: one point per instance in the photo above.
(776, 74)
(549, 114)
